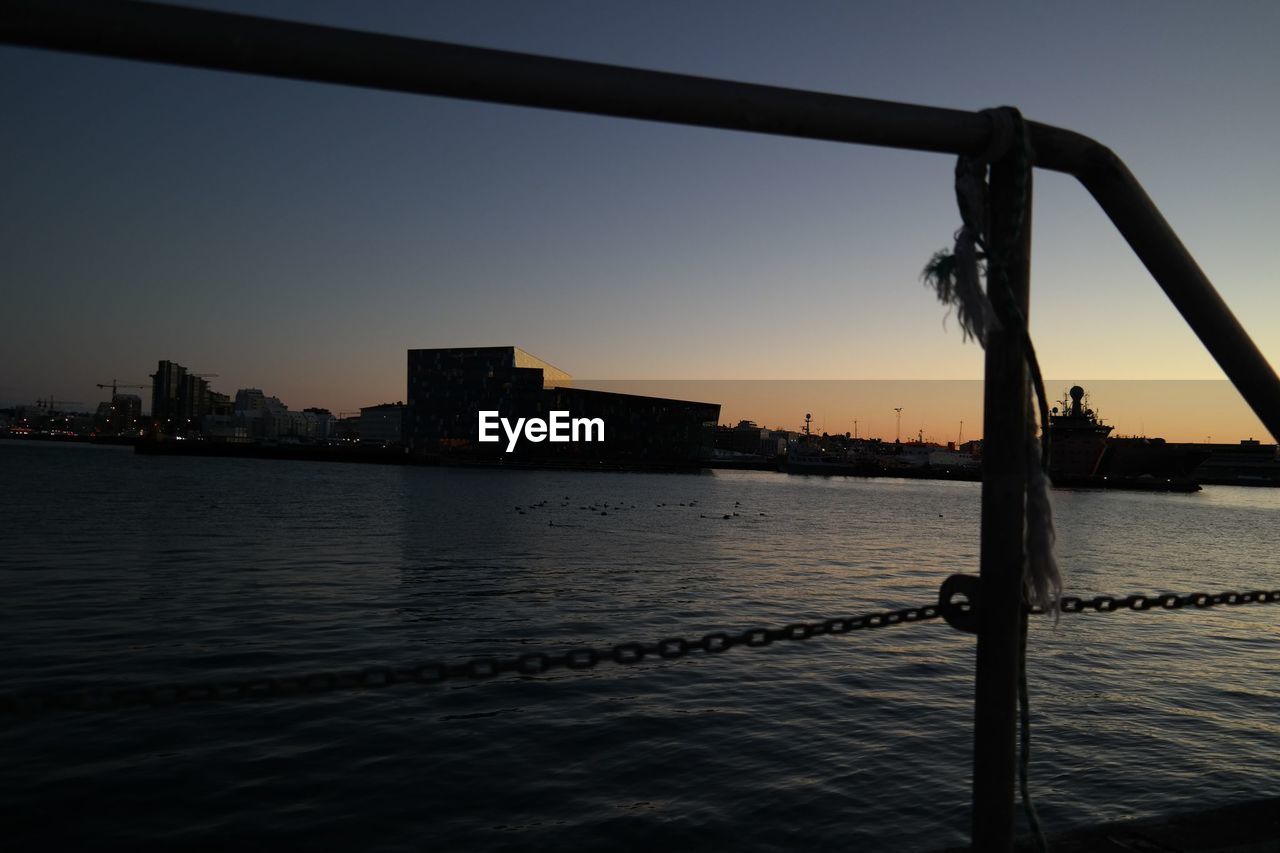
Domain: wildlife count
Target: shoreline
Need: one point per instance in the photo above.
(385, 456)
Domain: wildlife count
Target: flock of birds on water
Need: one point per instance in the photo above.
(604, 508)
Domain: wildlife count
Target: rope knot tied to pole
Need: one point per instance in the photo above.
(956, 278)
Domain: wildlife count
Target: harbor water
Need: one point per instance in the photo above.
(119, 569)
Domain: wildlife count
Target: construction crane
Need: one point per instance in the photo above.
(115, 385)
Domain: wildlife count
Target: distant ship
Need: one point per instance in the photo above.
(1083, 454)
(845, 456)
(1077, 441)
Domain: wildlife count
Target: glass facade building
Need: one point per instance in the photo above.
(448, 388)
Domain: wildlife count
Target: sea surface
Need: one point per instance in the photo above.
(119, 569)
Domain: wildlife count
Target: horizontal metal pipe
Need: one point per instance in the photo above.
(204, 39)
(217, 40)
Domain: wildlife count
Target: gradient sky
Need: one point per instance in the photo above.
(1177, 410)
(300, 237)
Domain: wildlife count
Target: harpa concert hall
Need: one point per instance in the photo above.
(448, 388)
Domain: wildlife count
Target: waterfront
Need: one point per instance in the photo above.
(121, 568)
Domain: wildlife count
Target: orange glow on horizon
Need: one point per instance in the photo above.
(1178, 411)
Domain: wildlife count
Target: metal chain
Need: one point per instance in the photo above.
(537, 663)
(1166, 601)
(534, 663)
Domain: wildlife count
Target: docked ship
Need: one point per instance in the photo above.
(807, 457)
(870, 457)
(1083, 454)
(1077, 441)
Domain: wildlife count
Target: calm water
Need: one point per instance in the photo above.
(122, 569)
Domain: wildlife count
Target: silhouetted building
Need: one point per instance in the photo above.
(447, 388)
(320, 423)
(193, 403)
(749, 438)
(266, 418)
(250, 400)
(382, 425)
(118, 416)
(179, 400)
(220, 404)
(122, 416)
(347, 429)
(228, 428)
(166, 389)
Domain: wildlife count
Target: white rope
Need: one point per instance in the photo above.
(1042, 582)
(956, 278)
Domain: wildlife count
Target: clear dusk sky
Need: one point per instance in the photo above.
(300, 237)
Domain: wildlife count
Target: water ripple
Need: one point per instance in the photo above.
(125, 569)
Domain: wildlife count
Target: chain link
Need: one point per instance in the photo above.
(533, 663)
(1164, 601)
(538, 663)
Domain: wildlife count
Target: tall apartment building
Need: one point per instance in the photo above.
(179, 400)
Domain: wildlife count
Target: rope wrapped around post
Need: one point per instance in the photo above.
(956, 279)
(992, 238)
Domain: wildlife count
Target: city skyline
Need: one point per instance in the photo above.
(940, 410)
(299, 237)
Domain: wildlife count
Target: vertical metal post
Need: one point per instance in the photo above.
(1004, 478)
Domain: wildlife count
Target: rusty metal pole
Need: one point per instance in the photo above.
(1004, 486)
